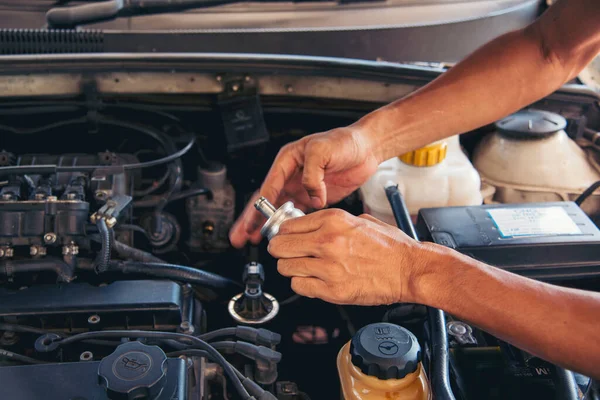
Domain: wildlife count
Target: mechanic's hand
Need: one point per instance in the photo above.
(343, 259)
(314, 171)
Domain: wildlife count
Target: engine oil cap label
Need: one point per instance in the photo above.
(534, 221)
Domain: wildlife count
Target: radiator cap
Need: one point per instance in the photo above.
(531, 124)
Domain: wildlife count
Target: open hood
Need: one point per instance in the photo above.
(392, 30)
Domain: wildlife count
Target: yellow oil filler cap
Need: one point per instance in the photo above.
(427, 156)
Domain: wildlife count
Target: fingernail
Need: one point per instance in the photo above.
(315, 201)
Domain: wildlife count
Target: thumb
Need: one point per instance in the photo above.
(317, 156)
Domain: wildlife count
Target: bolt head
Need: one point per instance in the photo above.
(50, 237)
(2, 252)
(40, 196)
(7, 196)
(33, 251)
(235, 87)
(51, 198)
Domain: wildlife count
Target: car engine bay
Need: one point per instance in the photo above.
(118, 187)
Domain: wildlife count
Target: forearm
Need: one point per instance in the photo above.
(555, 323)
(498, 79)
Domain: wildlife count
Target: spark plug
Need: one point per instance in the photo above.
(275, 217)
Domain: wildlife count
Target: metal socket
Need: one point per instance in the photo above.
(275, 216)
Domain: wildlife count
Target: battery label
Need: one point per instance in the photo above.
(538, 221)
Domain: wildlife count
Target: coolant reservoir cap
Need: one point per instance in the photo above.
(531, 124)
(134, 371)
(427, 156)
(385, 351)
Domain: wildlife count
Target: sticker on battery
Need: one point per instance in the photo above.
(538, 221)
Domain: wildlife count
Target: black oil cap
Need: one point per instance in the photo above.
(134, 371)
(386, 351)
(531, 124)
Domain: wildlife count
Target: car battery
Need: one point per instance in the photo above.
(547, 241)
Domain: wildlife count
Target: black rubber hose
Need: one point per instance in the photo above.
(440, 371)
(587, 193)
(63, 270)
(131, 253)
(566, 387)
(176, 272)
(103, 257)
(214, 354)
(153, 201)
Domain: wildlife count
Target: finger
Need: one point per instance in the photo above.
(293, 246)
(284, 166)
(305, 224)
(247, 225)
(309, 287)
(317, 157)
(304, 267)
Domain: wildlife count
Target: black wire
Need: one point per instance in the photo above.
(588, 192)
(19, 357)
(38, 331)
(217, 333)
(134, 228)
(214, 354)
(153, 201)
(155, 185)
(25, 329)
(290, 300)
(53, 169)
(43, 128)
(248, 383)
(165, 142)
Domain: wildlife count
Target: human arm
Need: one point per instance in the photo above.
(501, 77)
(344, 259)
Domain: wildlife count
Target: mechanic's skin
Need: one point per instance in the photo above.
(344, 259)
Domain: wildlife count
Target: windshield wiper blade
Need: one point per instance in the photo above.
(69, 17)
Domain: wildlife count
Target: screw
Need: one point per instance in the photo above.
(50, 238)
(33, 251)
(94, 319)
(7, 196)
(70, 249)
(40, 196)
(247, 78)
(6, 252)
(235, 87)
(51, 198)
(86, 356)
(219, 78)
(71, 196)
(289, 88)
(186, 327)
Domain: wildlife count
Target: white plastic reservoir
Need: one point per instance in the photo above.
(438, 175)
(530, 158)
